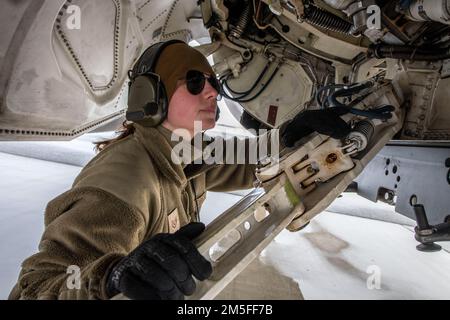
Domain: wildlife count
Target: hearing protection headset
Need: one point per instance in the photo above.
(147, 98)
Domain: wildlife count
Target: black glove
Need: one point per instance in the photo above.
(325, 121)
(161, 268)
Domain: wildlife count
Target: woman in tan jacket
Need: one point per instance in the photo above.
(132, 191)
(128, 220)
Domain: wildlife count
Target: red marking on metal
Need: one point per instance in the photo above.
(272, 116)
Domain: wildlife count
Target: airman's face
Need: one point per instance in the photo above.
(185, 108)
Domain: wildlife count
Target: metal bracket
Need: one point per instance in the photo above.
(428, 234)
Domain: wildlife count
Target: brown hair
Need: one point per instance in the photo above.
(123, 132)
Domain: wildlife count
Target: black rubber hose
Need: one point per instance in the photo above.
(381, 51)
(332, 98)
(263, 88)
(326, 88)
(241, 100)
(382, 113)
(243, 94)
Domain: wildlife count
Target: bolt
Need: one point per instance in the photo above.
(332, 157)
(389, 195)
(413, 200)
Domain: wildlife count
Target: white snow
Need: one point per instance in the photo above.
(336, 255)
(26, 187)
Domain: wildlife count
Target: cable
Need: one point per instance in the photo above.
(382, 51)
(256, 16)
(297, 56)
(264, 87)
(382, 113)
(241, 100)
(247, 92)
(323, 89)
(346, 92)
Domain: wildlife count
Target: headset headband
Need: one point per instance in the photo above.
(148, 60)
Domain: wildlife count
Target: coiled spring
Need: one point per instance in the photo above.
(327, 20)
(243, 22)
(366, 128)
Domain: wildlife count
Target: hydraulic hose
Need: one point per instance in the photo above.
(381, 51)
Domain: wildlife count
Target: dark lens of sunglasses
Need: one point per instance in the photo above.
(215, 84)
(195, 81)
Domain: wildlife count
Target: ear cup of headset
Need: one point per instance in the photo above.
(147, 102)
(147, 97)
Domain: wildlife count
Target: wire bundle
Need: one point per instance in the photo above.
(245, 96)
(341, 91)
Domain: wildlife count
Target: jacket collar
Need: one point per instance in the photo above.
(159, 144)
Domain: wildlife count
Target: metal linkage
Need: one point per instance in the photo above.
(428, 234)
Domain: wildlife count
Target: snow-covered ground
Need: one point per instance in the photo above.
(354, 250)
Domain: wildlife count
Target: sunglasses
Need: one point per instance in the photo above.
(196, 80)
